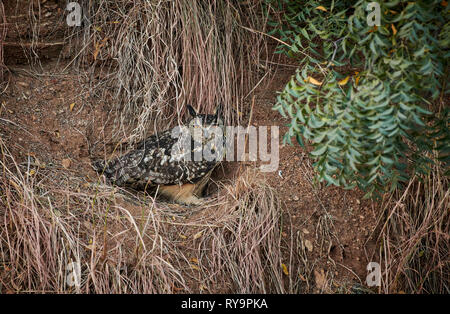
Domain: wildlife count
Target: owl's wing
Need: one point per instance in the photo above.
(155, 162)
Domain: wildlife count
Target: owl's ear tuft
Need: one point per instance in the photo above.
(192, 111)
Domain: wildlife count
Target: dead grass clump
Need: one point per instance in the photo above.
(237, 239)
(3, 30)
(415, 237)
(157, 56)
(150, 57)
(47, 227)
(67, 236)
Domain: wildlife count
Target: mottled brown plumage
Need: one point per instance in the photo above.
(153, 163)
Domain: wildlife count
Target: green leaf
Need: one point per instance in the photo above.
(320, 150)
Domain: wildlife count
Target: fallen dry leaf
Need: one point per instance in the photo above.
(394, 30)
(357, 78)
(285, 270)
(98, 46)
(313, 81)
(198, 235)
(195, 267)
(344, 81)
(373, 29)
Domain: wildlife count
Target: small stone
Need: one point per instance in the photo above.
(23, 84)
(66, 163)
(309, 245)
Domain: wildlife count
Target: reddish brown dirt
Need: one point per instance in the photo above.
(47, 116)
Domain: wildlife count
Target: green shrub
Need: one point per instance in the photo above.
(366, 97)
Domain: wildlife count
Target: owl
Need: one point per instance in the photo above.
(174, 161)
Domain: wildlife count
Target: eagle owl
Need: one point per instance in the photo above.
(160, 161)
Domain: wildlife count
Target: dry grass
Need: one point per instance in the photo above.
(129, 244)
(3, 30)
(151, 58)
(155, 57)
(415, 237)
